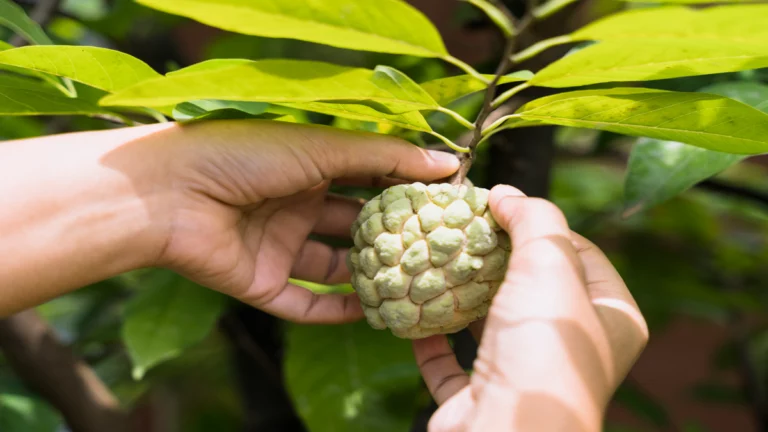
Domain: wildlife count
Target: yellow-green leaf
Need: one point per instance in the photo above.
(5, 45)
(23, 97)
(389, 26)
(651, 59)
(447, 90)
(744, 24)
(704, 120)
(277, 81)
(102, 68)
(14, 17)
(413, 120)
(496, 15)
(209, 65)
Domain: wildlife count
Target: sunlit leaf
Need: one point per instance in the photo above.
(21, 96)
(5, 45)
(209, 65)
(350, 378)
(102, 68)
(413, 120)
(390, 26)
(14, 17)
(496, 15)
(447, 90)
(704, 120)
(643, 60)
(550, 7)
(168, 316)
(659, 170)
(673, 22)
(277, 81)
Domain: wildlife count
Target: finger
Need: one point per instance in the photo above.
(438, 365)
(372, 182)
(300, 305)
(545, 276)
(476, 329)
(621, 317)
(337, 216)
(339, 153)
(318, 262)
(455, 414)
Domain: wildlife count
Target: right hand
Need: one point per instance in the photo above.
(562, 333)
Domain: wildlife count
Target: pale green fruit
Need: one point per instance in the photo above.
(427, 259)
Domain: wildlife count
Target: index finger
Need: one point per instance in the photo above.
(545, 278)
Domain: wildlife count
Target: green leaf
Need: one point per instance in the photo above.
(14, 17)
(102, 68)
(643, 60)
(196, 109)
(278, 81)
(550, 7)
(21, 96)
(496, 15)
(704, 120)
(209, 65)
(351, 378)
(413, 120)
(20, 412)
(639, 402)
(389, 26)
(167, 317)
(658, 170)
(449, 89)
(5, 46)
(675, 22)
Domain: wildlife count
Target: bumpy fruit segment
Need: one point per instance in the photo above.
(427, 259)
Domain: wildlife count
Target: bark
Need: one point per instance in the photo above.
(52, 370)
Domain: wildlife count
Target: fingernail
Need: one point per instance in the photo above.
(507, 190)
(444, 158)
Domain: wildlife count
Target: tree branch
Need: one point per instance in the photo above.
(466, 159)
(51, 369)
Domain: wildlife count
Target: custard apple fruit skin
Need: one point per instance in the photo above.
(427, 259)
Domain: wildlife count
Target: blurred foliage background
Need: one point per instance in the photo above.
(181, 358)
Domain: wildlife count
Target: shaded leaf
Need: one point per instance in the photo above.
(389, 26)
(20, 412)
(658, 170)
(704, 120)
(447, 90)
(674, 22)
(195, 109)
(635, 399)
(496, 15)
(351, 378)
(168, 316)
(643, 60)
(14, 17)
(102, 68)
(278, 81)
(21, 96)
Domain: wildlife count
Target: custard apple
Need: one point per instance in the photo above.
(427, 259)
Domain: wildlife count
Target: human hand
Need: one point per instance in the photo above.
(561, 334)
(247, 195)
